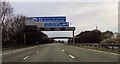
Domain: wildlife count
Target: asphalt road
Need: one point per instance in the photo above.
(57, 53)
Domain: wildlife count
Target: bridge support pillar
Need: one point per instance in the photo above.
(73, 37)
(24, 38)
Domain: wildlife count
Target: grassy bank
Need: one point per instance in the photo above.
(117, 50)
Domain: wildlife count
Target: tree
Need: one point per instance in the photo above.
(112, 39)
(13, 28)
(107, 34)
(16, 28)
(94, 36)
(6, 13)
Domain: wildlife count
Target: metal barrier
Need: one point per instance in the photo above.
(100, 45)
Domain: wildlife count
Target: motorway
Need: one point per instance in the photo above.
(57, 52)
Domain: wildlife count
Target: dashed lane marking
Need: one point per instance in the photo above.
(63, 50)
(37, 51)
(26, 57)
(72, 56)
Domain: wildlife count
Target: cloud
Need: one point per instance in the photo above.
(62, 0)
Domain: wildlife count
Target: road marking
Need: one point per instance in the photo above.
(98, 51)
(59, 48)
(28, 48)
(0, 54)
(92, 50)
(63, 50)
(19, 50)
(7, 53)
(26, 57)
(76, 47)
(114, 53)
(15, 51)
(37, 51)
(103, 52)
(72, 56)
(82, 48)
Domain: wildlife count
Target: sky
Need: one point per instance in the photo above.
(62, 0)
(82, 15)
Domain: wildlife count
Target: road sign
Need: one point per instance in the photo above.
(38, 24)
(55, 21)
(56, 24)
(47, 19)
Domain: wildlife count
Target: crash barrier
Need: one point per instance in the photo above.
(112, 46)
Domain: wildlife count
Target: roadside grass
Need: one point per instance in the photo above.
(117, 50)
(16, 47)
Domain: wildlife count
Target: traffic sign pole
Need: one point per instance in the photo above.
(73, 37)
(24, 38)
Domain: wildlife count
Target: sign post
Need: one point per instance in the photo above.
(73, 37)
(24, 38)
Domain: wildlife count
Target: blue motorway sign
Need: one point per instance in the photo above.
(48, 19)
(55, 21)
(54, 24)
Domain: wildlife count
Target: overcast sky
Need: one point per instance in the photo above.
(82, 15)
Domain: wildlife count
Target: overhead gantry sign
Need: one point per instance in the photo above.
(53, 23)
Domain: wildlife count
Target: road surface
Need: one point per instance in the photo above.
(57, 53)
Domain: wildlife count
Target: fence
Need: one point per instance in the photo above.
(112, 46)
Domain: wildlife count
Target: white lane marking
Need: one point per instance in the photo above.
(98, 51)
(15, 51)
(59, 48)
(114, 53)
(0, 54)
(26, 57)
(76, 47)
(7, 53)
(63, 50)
(37, 51)
(92, 50)
(72, 56)
(19, 50)
(103, 52)
(82, 48)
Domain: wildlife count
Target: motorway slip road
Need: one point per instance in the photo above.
(57, 52)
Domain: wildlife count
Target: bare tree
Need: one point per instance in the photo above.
(6, 13)
(16, 28)
(12, 26)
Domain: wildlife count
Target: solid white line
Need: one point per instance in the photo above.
(0, 54)
(103, 52)
(26, 57)
(19, 50)
(7, 53)
(63, 50)
(99, 51)
(76, 47)
(82, 48)
(72, 56)
(114, 53)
